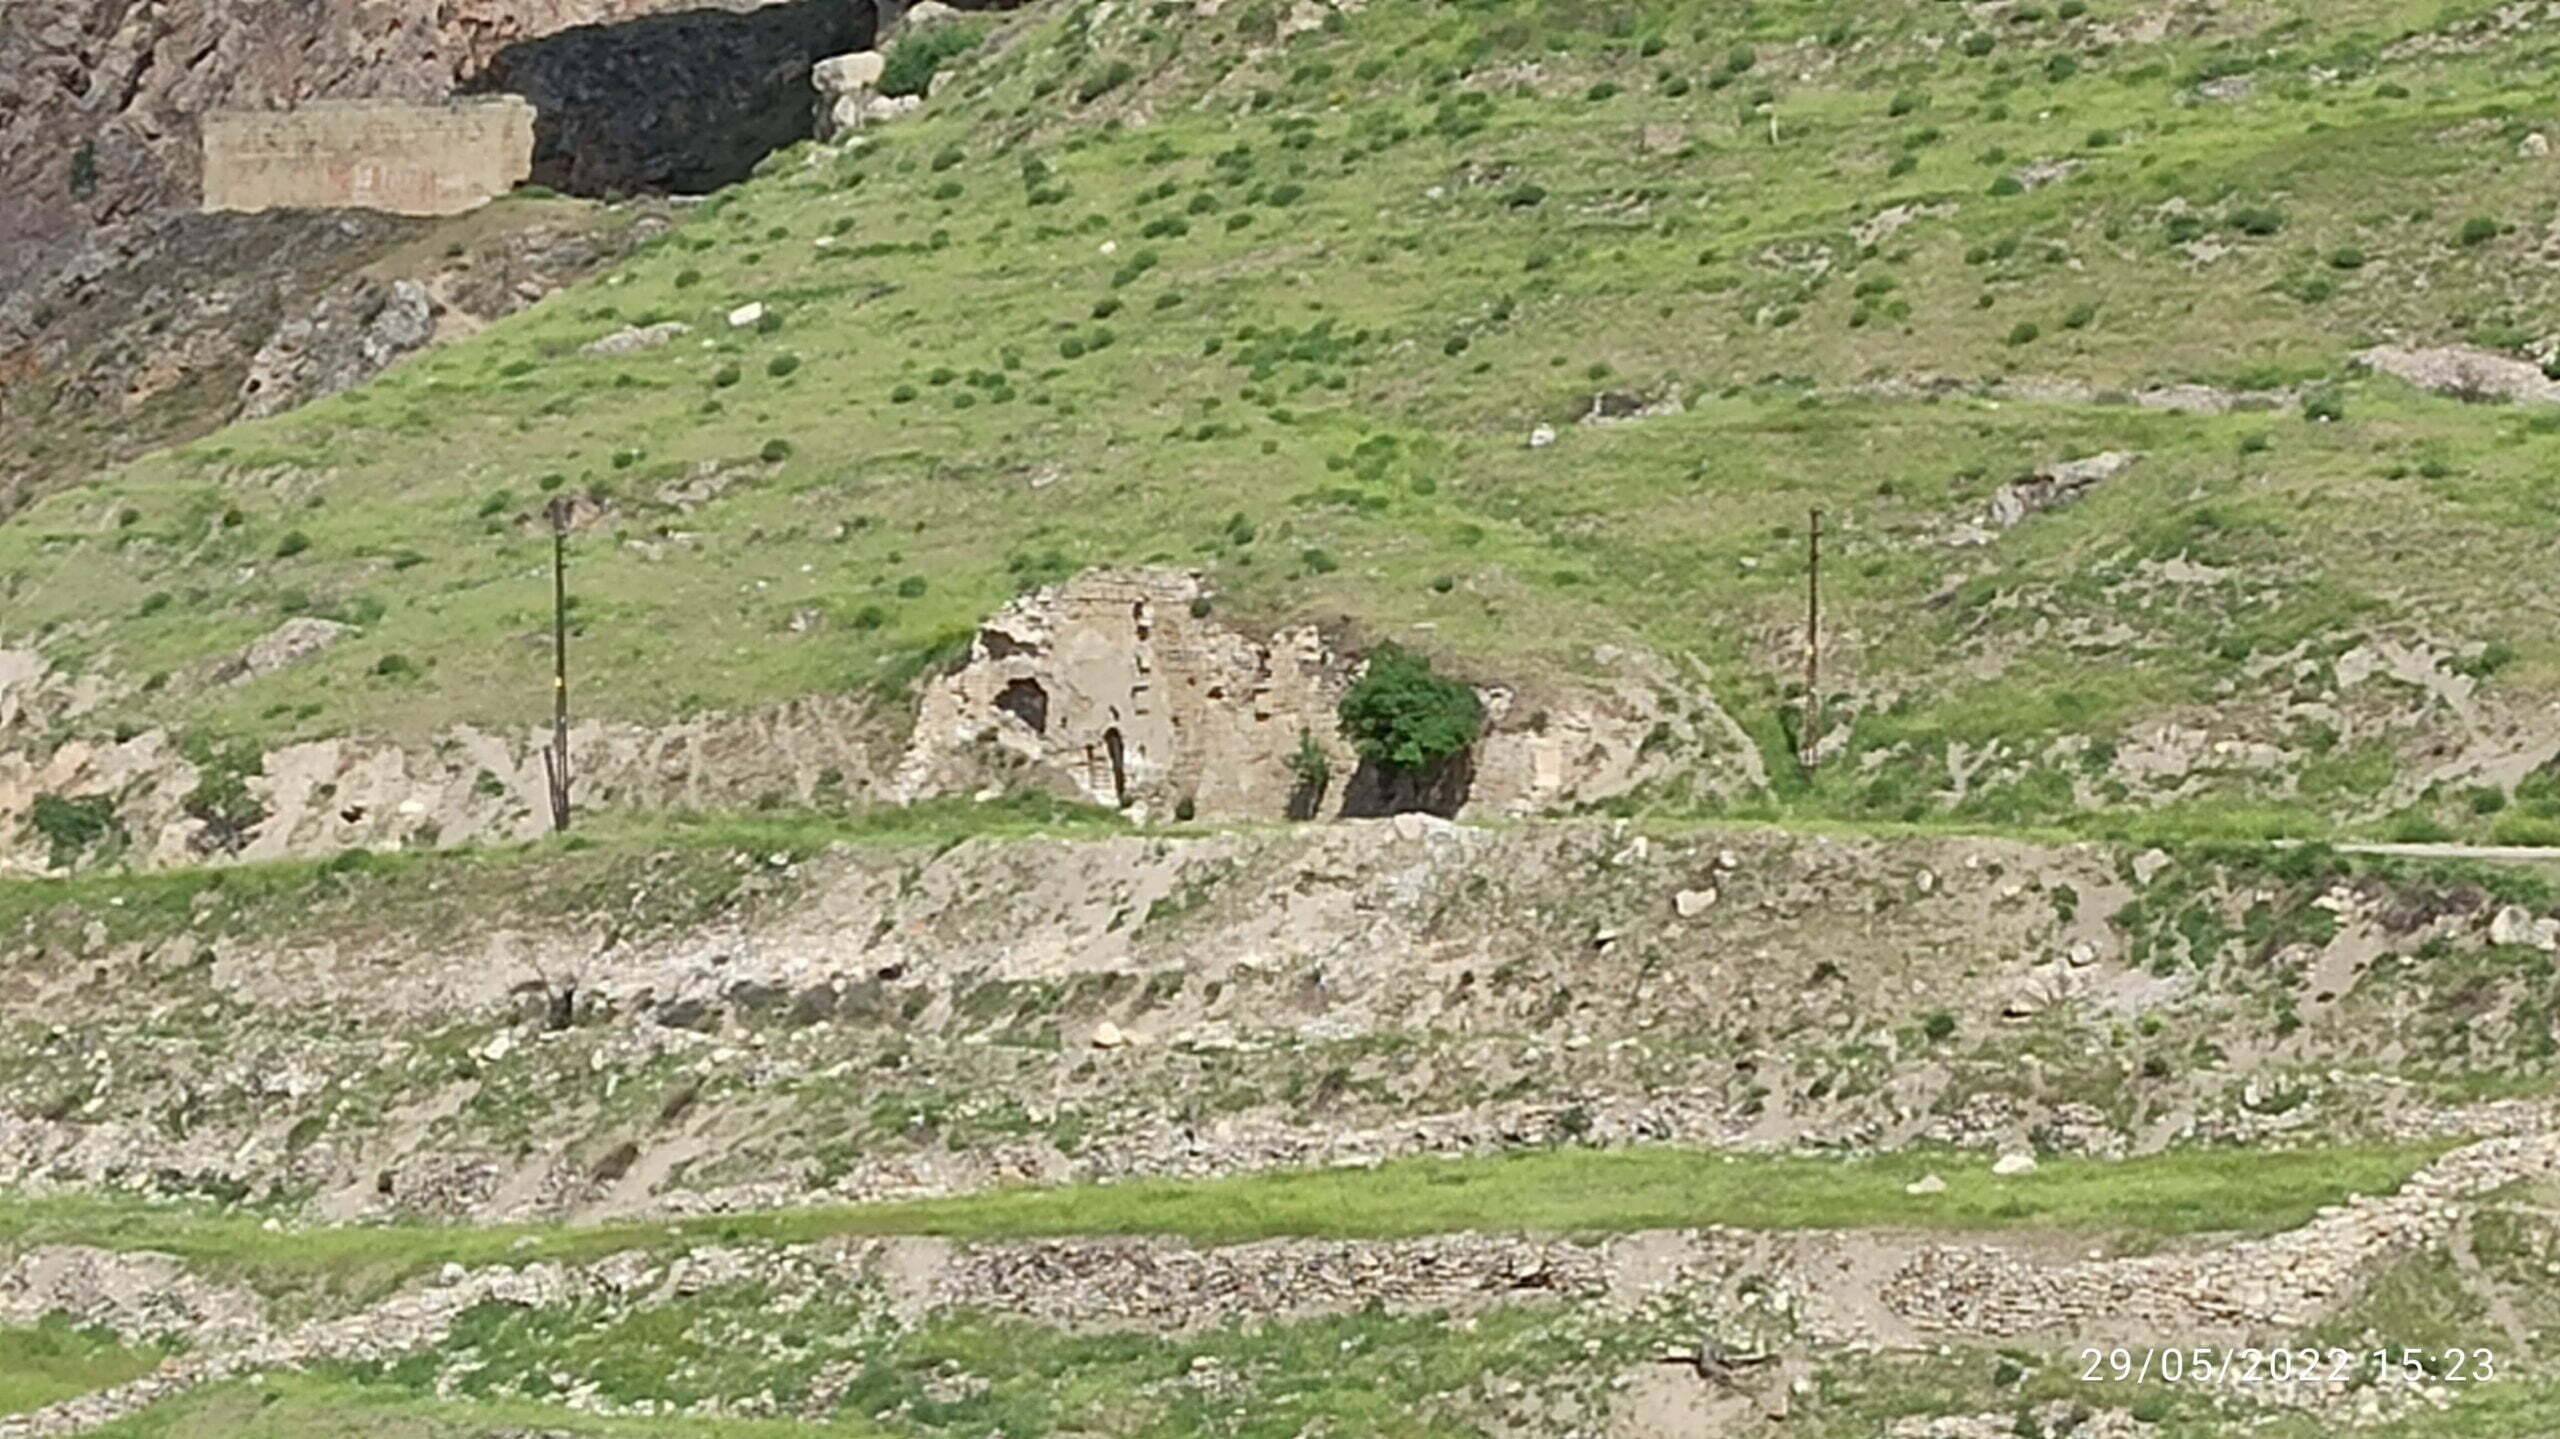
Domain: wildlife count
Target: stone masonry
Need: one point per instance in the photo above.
(409, 159)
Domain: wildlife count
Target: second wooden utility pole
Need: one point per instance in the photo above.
(1812, 643)
(555, 760)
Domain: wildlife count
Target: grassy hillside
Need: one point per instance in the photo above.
(1165, 287)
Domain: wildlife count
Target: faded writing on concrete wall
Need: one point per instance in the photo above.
(406, 158)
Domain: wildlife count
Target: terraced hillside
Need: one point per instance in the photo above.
(944, 1018)
(1386, 1127)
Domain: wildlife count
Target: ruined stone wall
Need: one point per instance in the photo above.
(410, 159)
(1118, 688)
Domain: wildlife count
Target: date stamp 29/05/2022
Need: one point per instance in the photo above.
(2388, 1365)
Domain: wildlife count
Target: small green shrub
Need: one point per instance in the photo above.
(1401, 716)
(70, 827)
(1105, 80)
(294, 543)
(781, 365)
(2256, 219)
(221, 801)
(726, 376)
(775, 451)
(912, 62)
(2478, 230)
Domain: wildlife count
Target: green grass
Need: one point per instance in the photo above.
(1352, 1374)
(691, 861)
(1652, 238)
(297, 1406)
(53, 1361)
(1048, 1384)
(1560, 1191)
(1590, 1192)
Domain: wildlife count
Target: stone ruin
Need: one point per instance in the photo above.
(403, 157)
(1117, 689)
(1113, 684)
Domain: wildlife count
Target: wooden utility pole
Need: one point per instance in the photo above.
(1812, 642)
(555, 760)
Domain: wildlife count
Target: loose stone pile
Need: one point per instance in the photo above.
(2260, 1285)
(140, 1296)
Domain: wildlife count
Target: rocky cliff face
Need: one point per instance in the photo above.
(155, 332)
(686, 102)
(98, 97)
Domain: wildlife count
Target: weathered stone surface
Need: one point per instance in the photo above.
(2463, 373)
(2514, 924)
(291, 643)
(846, 86)
(632, 339)
(141, 1296)
(2051, 485)
(355, 333)
(401, 156)
(1120, 689)
(325, 796)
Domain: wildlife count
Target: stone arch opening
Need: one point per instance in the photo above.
(1115, 750)
(1026, 701)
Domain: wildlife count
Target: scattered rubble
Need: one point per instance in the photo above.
(2462, 373)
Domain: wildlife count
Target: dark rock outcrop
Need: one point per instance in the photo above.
(686, 102)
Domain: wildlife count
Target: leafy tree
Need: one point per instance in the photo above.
(1401, 716)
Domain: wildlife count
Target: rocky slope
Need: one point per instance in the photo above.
(654, 1032)
(163, 330)
(714, 1030)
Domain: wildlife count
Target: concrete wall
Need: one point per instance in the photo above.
(406, 158)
